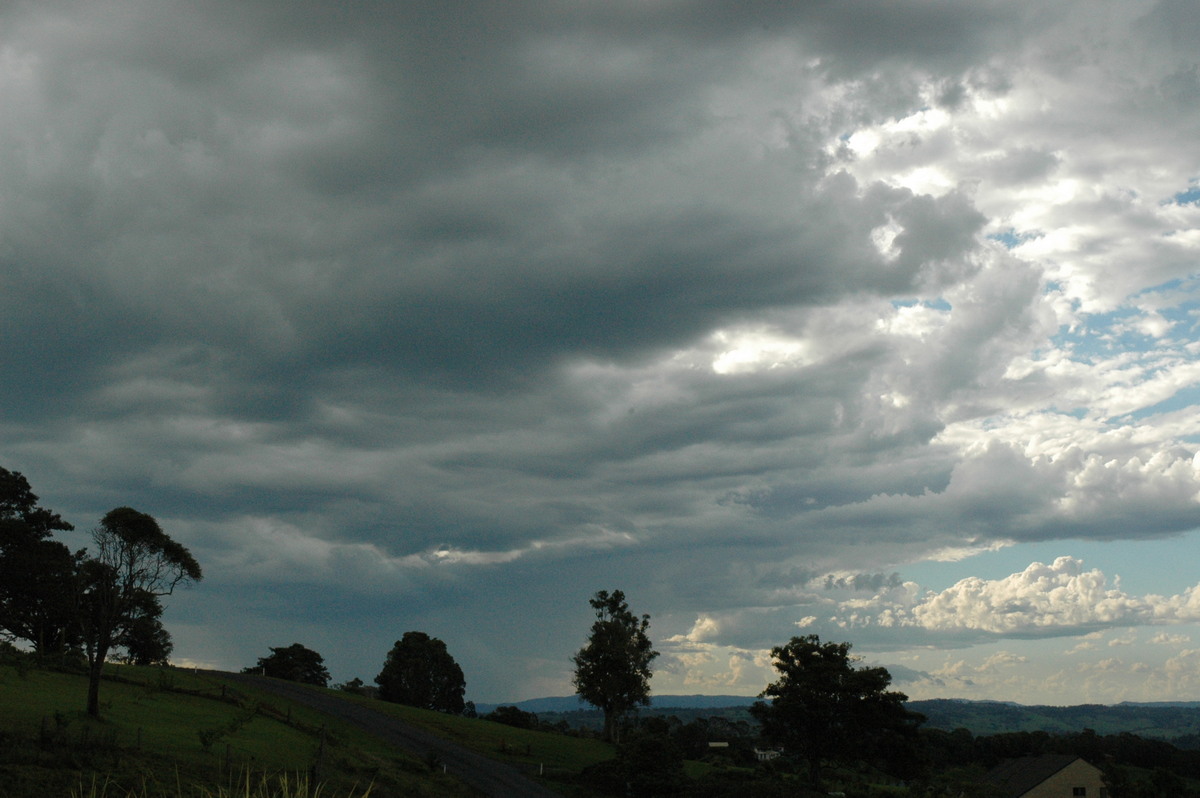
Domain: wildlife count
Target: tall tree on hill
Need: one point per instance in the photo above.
(37, 575)
(822, 708)
(295, 663)
(612, 672)
(133, 560)
(420, 672)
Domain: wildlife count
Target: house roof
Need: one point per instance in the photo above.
(1015, 777)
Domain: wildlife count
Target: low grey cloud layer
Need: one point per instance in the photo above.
(444, 316)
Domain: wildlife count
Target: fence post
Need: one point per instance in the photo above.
(316, 770)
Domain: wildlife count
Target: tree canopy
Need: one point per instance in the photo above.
(37, 575)
(61, 602)
(295, 663)
(134, 562)
(420, 672)
(37, 596)
(823, 708)
(20, 513)
(612, 672)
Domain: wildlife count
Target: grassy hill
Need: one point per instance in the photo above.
(169, 732)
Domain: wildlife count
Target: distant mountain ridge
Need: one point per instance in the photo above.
(572, 703)
(1166, 720)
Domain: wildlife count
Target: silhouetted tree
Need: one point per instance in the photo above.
(612, 672)
(420, 672)
(37, 575)
(358, 687)
(38, 596)
(823, 708)
(133, 559)
(19, 507)
(295, 663)
(513, 716)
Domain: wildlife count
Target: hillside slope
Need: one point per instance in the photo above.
(481, 773)
(161, 728)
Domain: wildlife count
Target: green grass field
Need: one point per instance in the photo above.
(169, 732)
(154, 736)
(506, 743)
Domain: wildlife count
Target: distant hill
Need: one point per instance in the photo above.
(659, 702)
(1164, 720)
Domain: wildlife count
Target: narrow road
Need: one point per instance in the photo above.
(490, 777)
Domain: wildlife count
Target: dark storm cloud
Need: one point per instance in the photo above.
(435, 304)
(484, 261)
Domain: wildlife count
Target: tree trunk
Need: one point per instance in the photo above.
(95, 671)
(612, 726)
(814, 773)
(93, 697)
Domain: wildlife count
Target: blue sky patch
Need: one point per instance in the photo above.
(1189, 197)
(1012, 239)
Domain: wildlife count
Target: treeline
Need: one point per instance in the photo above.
(593, 719)
(940, 749)
(938, 763)
(1177, 723)
(418, 671)
(960, 747)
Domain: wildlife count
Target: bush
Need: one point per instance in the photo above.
(12, 656)
(513, 716)
(647, 766)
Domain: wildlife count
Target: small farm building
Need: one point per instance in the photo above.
(1048, 776)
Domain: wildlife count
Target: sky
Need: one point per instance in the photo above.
(873, 320)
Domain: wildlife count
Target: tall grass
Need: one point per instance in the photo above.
(282, 785)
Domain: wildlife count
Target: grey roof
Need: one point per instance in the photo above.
(1015, 777)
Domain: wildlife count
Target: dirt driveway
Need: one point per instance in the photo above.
(486, 775)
